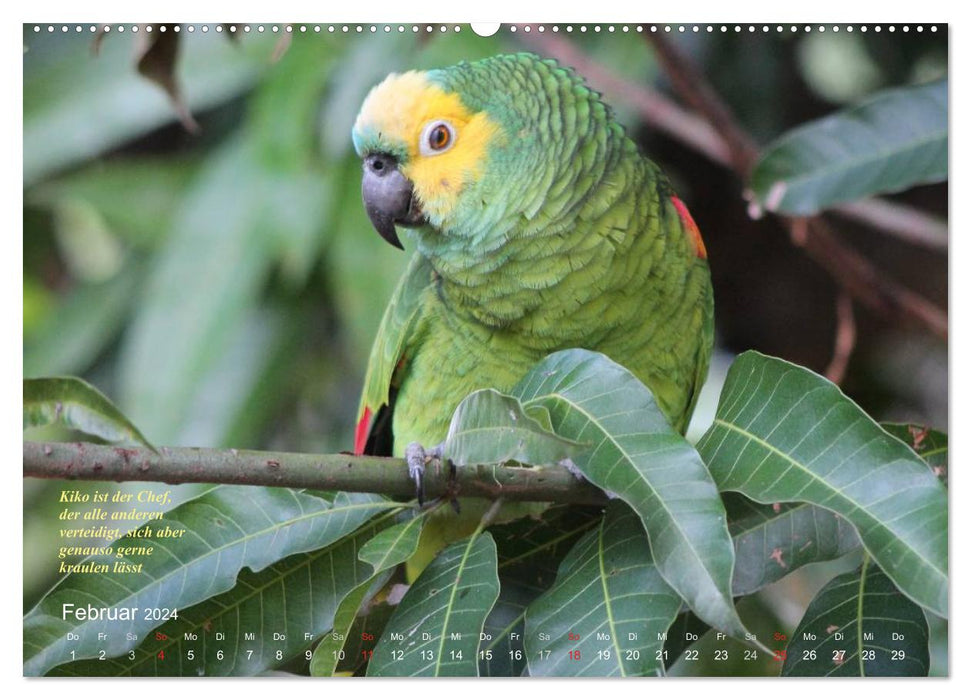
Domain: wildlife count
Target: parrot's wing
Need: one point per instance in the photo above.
(395, 334)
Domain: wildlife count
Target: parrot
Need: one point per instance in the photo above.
(538, 226)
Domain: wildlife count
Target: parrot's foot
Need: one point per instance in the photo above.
(417, 457)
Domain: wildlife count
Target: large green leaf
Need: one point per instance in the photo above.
(435, 630)
(895, 140)
(297, 188)
(609, 607)
(783, 433)
(73, 403)
(859, 624)
(636, 454)
(244, 386)
(492, 428)
(772, 541)
(266, 619)
(198, 551)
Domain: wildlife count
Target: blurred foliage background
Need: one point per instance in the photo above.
(223, 284)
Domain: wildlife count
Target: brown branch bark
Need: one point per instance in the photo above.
(340, 472)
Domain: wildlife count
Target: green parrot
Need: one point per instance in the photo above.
(539, 227)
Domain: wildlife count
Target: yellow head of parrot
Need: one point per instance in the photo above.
(429, 135)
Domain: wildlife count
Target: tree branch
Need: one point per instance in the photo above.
(340, 472)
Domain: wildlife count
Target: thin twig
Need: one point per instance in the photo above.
(340, 472)
(845, 339)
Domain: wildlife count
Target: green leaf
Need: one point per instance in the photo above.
(607, 586)
(893, 141)
(295, 597)
(772, 541)
(435, 630)
(881, 632)
(637, 455)
(783, 433)
(502, 651)
(492, 428)
(683, 634)
(283, 113)
(393, 545)
(246, 385)
(75, 404)
(387, 549)
(224, 530)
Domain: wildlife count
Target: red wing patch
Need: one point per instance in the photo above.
(360, 433)
(690, 227)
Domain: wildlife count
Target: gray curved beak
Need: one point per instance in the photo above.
(388, 197)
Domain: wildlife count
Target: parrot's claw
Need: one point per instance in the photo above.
(417, 457)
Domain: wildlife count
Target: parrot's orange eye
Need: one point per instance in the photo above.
(436, 138)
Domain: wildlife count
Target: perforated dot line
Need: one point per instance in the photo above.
(429, 28)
